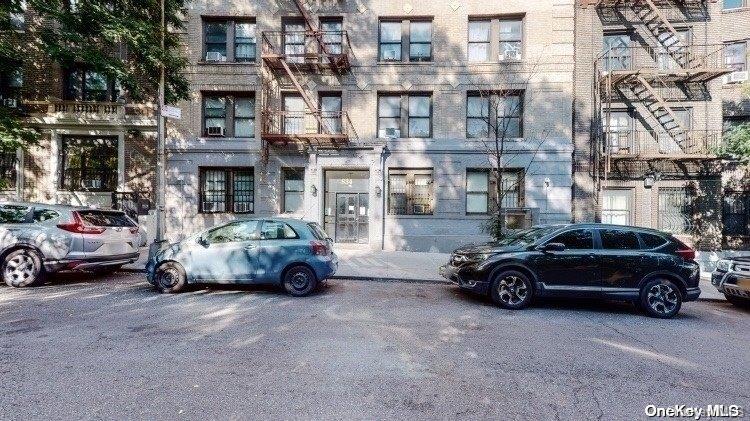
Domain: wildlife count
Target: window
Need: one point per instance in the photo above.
(736, 213)
(294, 114)
(730, 122)
(652, 241)
(619, 240)
(229, 115)
(390, 41)
(404, 115)
(505, 109)
(734, 4)
(294, 41)
(8, 170)
(616, 206)
(89, 163)
(619, 131)
(227, 190)
(677, 54)
(18, 16)
(410, 192)
(616, 50)
(294, 189)
(477, 191)
(575, 240)
(481, 191)
(83, 84)
(418, 38)
(276, 230)
(510, 39)
(229, 40)
(244, 41)
(675, 210)
(735, 56)
(330, 111)
(420, 41)
(479, 40)
(233, 232)
(11, 83)
(333, 35)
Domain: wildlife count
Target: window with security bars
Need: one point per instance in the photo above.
(89, 163)
(8, 172)
(675, 210)
(736, 213)
(227, 190)
(410, 192)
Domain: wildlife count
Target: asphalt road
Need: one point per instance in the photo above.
(112, 348)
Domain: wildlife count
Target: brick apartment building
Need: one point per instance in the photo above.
(372, 118)
(94, 140)
(375, 129)
(657, 82)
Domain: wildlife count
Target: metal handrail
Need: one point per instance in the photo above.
(283, 122)
(693, 56)
(273, 43)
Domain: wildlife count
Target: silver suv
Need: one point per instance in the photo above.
(38, 239)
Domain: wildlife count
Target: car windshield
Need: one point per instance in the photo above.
(526, 237)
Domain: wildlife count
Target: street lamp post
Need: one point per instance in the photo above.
(160, 153)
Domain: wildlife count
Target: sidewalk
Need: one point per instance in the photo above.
(404, 266)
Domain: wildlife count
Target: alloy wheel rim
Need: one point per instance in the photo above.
(20, 268)
(300, 280)
(512, 290)
(662, 298)
(168, 278)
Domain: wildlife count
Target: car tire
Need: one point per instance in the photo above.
(661, 298)
(512, 289)
(738, 301)
(300, 281)
(170, 278)
(22, 268)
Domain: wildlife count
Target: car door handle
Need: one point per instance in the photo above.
(250, 247)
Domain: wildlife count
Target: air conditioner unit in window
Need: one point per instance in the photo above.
(510, 56)
(389, 55)
(389, 133)
(91, 184)
(739, 76)
(212, 207)
(726, 79)
(215, 56)
(243, 207)
(419, 209)
(215, 131)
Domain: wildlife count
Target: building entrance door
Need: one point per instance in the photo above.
(347, 206)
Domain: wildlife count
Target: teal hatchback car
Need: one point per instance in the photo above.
(293, 253)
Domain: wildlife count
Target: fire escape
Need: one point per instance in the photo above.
(644, 75)
(293, 59)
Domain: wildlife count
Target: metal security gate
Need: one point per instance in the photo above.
(351, 218)
(676, 210)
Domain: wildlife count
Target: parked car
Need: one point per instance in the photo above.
(645, 266)
(293, 253)
(732, 278)
(38, 239)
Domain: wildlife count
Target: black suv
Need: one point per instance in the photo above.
(646, 266)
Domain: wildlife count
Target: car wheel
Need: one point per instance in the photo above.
(738, 301)
(661, 298)
(512, 290)
(22, 268)
(170, 278)
(300, 281)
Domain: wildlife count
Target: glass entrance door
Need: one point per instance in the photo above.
(351, 218)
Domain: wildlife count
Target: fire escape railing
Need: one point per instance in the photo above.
(303, 48)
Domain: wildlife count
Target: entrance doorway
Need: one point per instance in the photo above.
(347, 206)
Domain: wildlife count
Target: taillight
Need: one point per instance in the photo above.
(78, 227)
(686, 253)
(319, 248)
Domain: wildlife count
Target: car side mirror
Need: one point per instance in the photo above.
(551, 247)
(203, 241)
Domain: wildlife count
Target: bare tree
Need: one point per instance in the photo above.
(495, 117)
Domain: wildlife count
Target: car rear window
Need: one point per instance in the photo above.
(106, 218)
(652, 241)
(11, 214)
(317, 231)
(619, 240)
